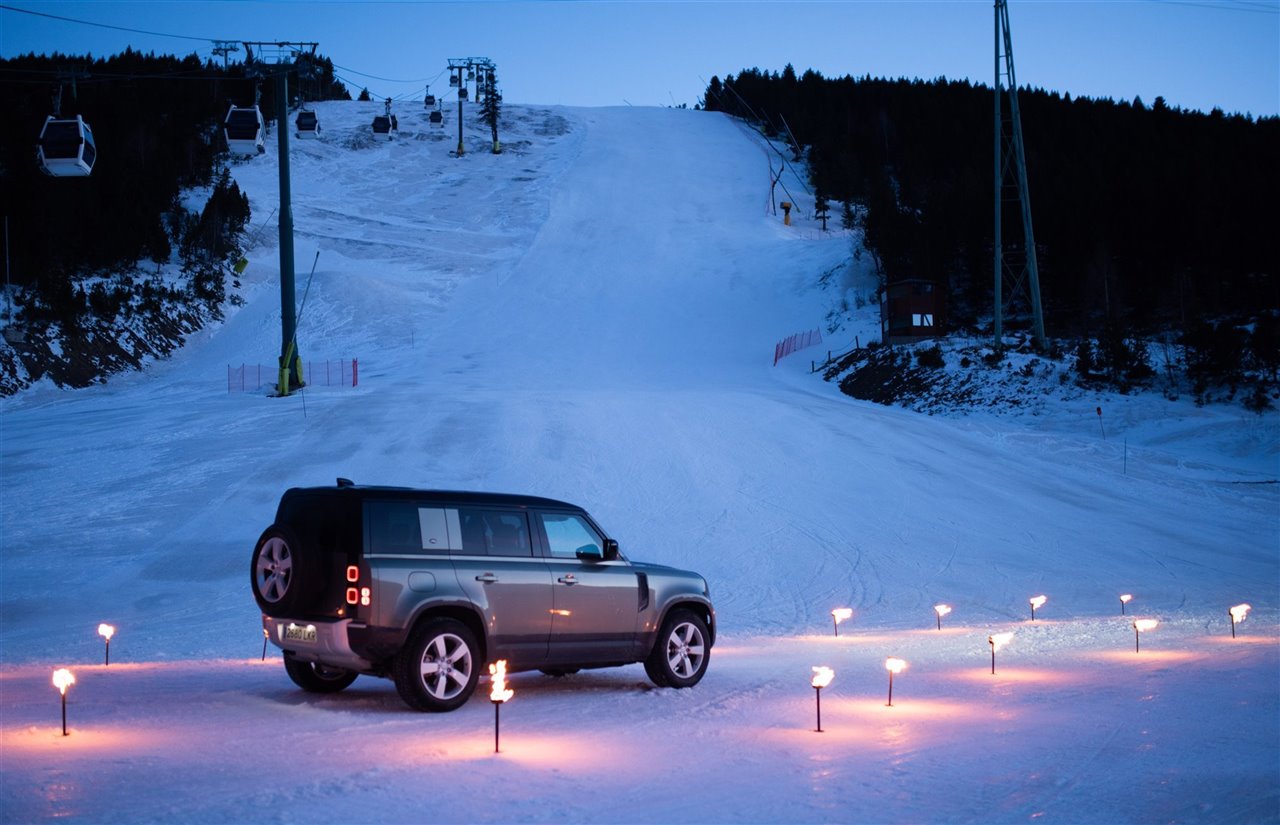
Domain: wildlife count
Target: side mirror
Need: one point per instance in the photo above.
(589, 552)
(610, 549)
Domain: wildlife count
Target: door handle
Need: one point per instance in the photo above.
(568, 578)
(487, 578)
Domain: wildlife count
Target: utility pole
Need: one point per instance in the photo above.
(282, 57)
(1011, 161)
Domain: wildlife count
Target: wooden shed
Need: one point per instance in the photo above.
(913, 309)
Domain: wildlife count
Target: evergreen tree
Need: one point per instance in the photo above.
(491, 107)
(848, 220)
(821, 209)
(364, 96)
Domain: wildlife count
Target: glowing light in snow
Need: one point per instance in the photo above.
(822, 676)
(106, 631)
(63, 679)
(1125, 599)
(1140, 626)
(839, 615)
(1037, 601)
(999, 640)
(500, 692)
(941, 610)
(895, 665)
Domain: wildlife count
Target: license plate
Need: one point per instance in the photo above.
(300, 633)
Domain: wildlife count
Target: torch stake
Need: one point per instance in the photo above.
(891, 688)
(1033, 612)
(1122, 608)
(1135, 640)
(939, 621)
(817, 691)
(1233, 624)
(64, 713)
(264, 646)
(835, 624)
(497, 708)
(106, 659)
(993, 658)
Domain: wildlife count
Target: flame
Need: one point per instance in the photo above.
(500, 691)
(560, 612)
(822, 676)
(942, 609)
(1126, 598)
(1144, 624)
(1038, 601)
(62, 679)
(1239, 612)
(999, 640)
(106, 631)
(895, 665)
(842, 613)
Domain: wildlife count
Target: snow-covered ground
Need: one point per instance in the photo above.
(592, 316)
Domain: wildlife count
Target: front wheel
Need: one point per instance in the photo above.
(317, 678)
(439, 667)
(680, 656)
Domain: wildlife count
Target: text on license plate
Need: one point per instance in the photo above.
(299, 633)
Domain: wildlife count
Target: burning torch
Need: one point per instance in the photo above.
(839, 615)
(1125, 599)
(1238, 614)
(63, 679)
(893, 666)
(1141, 626)
(1037, 601)
(997, 641)
(106, 631)
(822, 677)
(499, 694)
(941, 610)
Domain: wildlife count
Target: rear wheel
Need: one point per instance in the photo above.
(680, 656)
(439, 667)
(317, 678)
(281, 571)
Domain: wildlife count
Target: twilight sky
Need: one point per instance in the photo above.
(1198, 54)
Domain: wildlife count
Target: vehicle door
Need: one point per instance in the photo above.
(493, 557)
(596, 600)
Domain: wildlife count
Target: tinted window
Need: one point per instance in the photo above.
(568, 533)
(494, 533)
(394, 527)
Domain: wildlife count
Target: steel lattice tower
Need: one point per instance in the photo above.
(1010, 185)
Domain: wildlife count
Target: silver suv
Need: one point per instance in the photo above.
(426, 586)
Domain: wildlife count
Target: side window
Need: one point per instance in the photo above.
(394, 527)
(494, 533)
(568, 533)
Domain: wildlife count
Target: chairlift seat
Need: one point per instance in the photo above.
(66, 147)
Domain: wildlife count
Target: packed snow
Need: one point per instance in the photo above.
(592, 316)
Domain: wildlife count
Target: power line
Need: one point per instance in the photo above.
(106, 25)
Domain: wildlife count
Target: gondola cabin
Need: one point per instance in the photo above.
(245, 131)
(385, 125)
(429, 101)
(308, 124)
(66, 148)
(436, 117)
(462, 93)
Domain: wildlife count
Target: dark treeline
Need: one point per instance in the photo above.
(1146, 217)
(157, 124)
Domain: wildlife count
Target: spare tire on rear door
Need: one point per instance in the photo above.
(283, 572)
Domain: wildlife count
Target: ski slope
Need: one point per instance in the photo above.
(591, 316)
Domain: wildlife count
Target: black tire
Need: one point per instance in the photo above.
(316, 678)
(439, 666)
(281, 572)
(681, 653)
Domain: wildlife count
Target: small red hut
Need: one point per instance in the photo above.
(913, 309)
